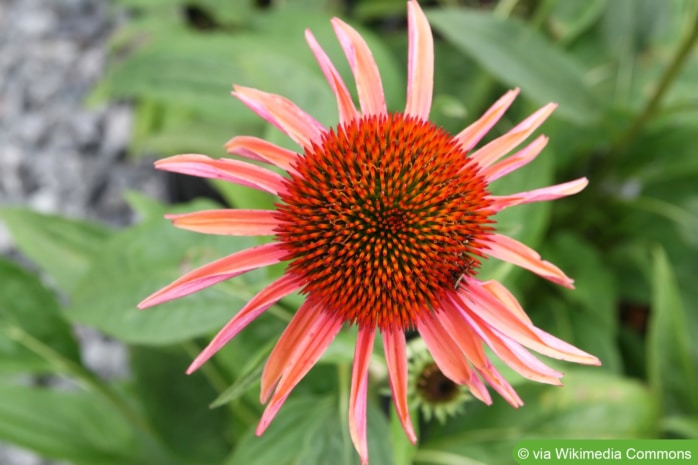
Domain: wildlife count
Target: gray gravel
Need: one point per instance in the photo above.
(57, 155)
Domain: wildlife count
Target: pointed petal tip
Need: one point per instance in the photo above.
(367, 77)
(148, 302)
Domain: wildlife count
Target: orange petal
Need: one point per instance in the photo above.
(215, 272)
(420, 63)
(516, 161)
(309, 349)
(267, 297)
(359, 390)
(517, 357)
(364, 67)
(510, 250)
(282, 113)
(493, 312)
(470, 136)
(261, 150)
(285, 346)
(396, 359)
(230, 222)
(539, 195)
(499, 147)
(470, 345)
(501, 293)
(449, 358)
(347, 110)
(234, 171)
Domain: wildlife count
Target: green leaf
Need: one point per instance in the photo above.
(193, 71)
(681, 425)
(663, 156)
(312, 432)
(592, 404)
(140, 260)
(146, 207)
(671, 361)
(233, 12)
(249, 376)
(519, 56)
(177, 406)
(74, 426)
(28, 308)
(62, 247)
(569, 20)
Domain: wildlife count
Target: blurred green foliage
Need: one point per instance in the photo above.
(625, 73)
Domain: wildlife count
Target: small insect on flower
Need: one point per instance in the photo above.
(383, 221)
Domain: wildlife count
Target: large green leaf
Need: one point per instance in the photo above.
(62, 247)
(30, 313)
(592, 404)
(182, 68)
(177, 405)
(74, 426)
(672, 365)
(311, 431)
(137, 262)
(568, 20)
(519, 56)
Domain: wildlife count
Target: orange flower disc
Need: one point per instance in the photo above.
(381, 215)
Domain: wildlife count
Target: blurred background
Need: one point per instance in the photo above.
(92, 91)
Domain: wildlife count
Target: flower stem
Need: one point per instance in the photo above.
(343, 376)
(660, 91)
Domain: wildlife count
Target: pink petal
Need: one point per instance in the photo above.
(345, 104)
(282, 113)
(234, 171)
(512, 353)
(470, 345)
(504, 144)
(420, 63)
(449, 358)
(215, 272)
(501, 293)
(539, 195)
(267, 297)
(480, 303)
(230, 222)
(510, 250)
(359, 391)
(495, 379)
(309, 349)
(562, 346)
(261, 150)
(470, 136)
(299, 325)
(516, 161)
(364, 67)
(396, 359)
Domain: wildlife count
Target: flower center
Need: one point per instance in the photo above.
(381, 216)
(435, 387)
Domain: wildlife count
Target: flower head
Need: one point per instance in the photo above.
(428, 389)
(383, 221)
